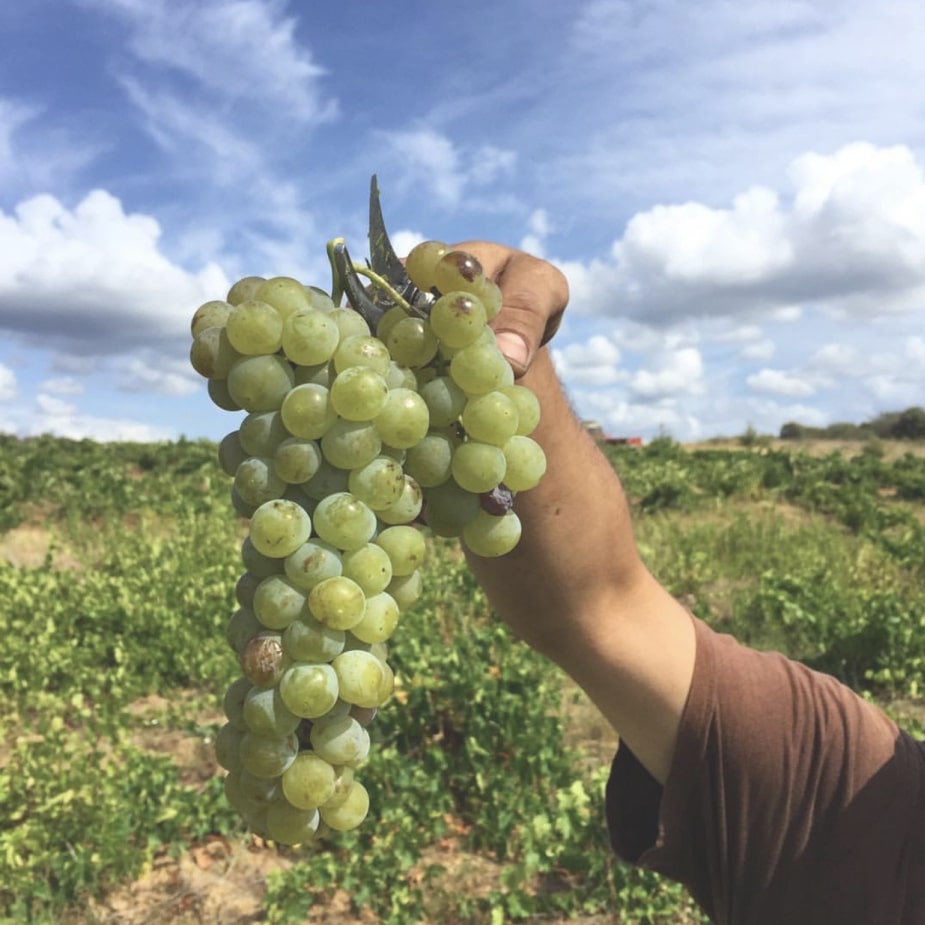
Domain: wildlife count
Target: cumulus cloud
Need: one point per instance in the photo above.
(780, 382)
(429, 159)
(7, 383)
(672, 372)
(850, 241)
(593, 362)
(93, 280)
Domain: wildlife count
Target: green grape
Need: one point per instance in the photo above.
(405, 546)
(458, 319)
(230, 453)
(241, 628)
(285, 294)
(401, 377)
(308, 640)
(260, 383)
(458, 270)
(263, 660)
(228, 747)
(312, 562)
(404, 420)
(344, 521)
(449, 508)
(318, 374)
(478, 467)
(244, 289)
(406, 589)
(489, 294)
(241, 507)
(220, 396)
(262, 432)
(528, 408)
(362, 350)
(359, 677)
(257, 563)
(337, 602)
(351, 444)
(490, 418)
(277, 602)
(479, 368)
(388, 321)
(296, 460)
(260, 791)
(379, 619)
(308, 781)
(407, 508)
(291, 826)
(320, 300)
(256, 481)
(349, 812)
(246, 588)
(525, 463)
(310, 337)
(211, 353)
(359, 393)
(421, 262)
(379, 483)
(309, 690)
(411, 342)
(445, 400)
(489, 536)
(279, 527)
(233, 793)
(328, 480)
(370, 567)
(265, 756)
(233, 702)
(350, 324)
(213, 314)
(255, 328)
(307, 411)
(266, 714)
(429, 463)
(340, 741)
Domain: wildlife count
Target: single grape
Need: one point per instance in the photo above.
(261, 433)
(233, 702)
(490, 536)
(525, 463)
(244, 289)
(263, 660)
(449, 508)
(279, 527)
(307, 411)
(445, 400)
(230, 453)
(309, 690)
(255, 328)
(337, 602)
(260, 383)
(221, 397)
(379, 619)
(490, 418)
(528, 408)
(309, 781)
(241, 628)
(350, 324)
(411, 342)
(211, 353)
(227, 747)
(328, 480)
(296, 460)
(379, 483)
(407, 508)
(478, 467)
(349, 812)
(266, 756)
(310, 337)
(404, 420)
(291, 826)
(421, 262)
(257, 563)
(213, 314)
(479, 368)
(370, 567)
(359, 677)
(406, 589)
(285, 294)
(340, 741)
(351, 444)
(309, 640)
(405, 546)
(312, 562)
(277, 602)
(344, 521)
(256, 481)
(359, 393)
(458, 319)
(265, 713)
(362, 350)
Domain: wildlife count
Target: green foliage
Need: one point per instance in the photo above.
(821, 558)
(891, 425)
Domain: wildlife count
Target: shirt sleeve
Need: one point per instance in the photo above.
(789, 798)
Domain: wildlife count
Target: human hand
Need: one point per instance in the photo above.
(534, 293)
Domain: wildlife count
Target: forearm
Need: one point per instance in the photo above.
(576, 589)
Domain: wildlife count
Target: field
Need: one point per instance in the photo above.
(117, 572)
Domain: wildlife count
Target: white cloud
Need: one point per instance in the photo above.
(429, 159)
(593, 362)
(93, 279)
(66, 385)
(780, 382)
(153, 375)
(851, 242)
(7, 383)
(236, 50)
(677, 371)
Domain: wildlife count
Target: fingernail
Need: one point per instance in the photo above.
(514, 347)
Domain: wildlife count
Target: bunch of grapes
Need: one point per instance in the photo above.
(353, 439)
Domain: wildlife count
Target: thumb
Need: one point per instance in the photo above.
(520, 329)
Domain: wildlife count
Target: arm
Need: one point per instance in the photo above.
(575, 588)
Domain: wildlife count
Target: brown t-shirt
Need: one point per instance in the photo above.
(789, 800)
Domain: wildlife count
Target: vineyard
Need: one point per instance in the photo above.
(117, 572)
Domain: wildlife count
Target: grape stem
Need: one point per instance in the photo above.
(337, 286)
(380, 282)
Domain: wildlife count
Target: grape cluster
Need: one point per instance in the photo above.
(352, 439)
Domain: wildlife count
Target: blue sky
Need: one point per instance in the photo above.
(734, 191)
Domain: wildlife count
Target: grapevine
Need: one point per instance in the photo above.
(364, 424)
